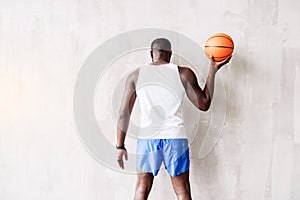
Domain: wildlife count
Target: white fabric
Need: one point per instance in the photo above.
(159, 93)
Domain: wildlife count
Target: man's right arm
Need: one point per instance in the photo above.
(200, 98)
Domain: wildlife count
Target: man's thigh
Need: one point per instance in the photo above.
(181, 184)
(182, 179)
(144, 176)
(144, 182)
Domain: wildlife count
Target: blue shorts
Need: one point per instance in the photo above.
(174, 153)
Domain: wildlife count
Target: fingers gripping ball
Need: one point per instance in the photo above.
(220, 46)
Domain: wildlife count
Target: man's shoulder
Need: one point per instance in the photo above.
(133, 76)
(185, 71)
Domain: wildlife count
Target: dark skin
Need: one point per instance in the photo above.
(201, 98)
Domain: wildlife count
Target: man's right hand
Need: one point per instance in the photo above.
(121, 153)
(218, 65)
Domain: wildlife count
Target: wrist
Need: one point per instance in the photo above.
(215, 65)
(214, 68)
(120, 147)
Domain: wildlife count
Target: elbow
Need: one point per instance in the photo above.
(123, 115)
(205, 106)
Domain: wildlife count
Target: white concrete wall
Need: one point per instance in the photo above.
(43, 45)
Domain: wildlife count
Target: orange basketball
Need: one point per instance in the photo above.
(220, 46)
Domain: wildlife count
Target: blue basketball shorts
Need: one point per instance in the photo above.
(174, 153)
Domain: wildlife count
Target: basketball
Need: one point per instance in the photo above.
(220, 46)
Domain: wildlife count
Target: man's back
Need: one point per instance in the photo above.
(159, 93)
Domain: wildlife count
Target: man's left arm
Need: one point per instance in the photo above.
(126, 107)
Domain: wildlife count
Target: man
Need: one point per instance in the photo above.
(159, 88)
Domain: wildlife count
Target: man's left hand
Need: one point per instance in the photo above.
(121, 153)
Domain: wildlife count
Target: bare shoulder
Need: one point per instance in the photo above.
(186, 72)
(133, 76)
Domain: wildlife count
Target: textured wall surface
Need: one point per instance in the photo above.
(43, 45)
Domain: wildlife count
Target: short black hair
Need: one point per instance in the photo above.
(161, 44)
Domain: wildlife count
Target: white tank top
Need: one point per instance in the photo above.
(159, 94)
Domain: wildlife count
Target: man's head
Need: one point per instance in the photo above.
(161, 50)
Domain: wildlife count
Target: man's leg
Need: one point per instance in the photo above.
(143, 185)
(177, 163)
(181, 186)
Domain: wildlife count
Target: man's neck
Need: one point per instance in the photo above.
(160, 62)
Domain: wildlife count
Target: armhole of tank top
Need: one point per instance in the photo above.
(179, 77)
(138, 76)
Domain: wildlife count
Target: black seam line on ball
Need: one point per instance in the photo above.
(221, 47)
(222, 56)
